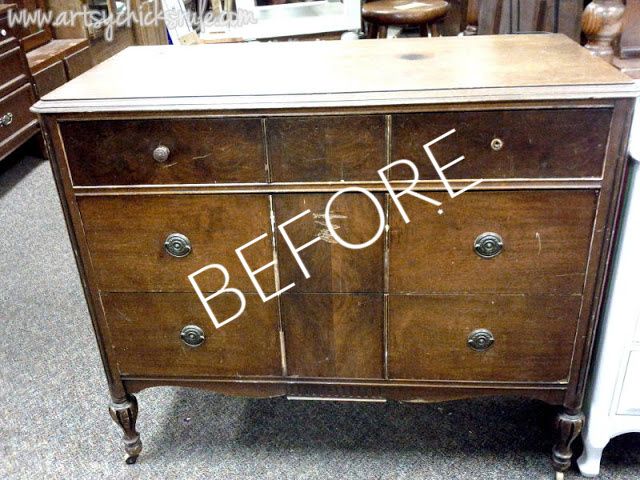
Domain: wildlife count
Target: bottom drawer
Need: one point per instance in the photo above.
(14, 109)
(145, 332)
(438, 337)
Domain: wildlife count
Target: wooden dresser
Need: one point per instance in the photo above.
(17, 123)
(493, 291)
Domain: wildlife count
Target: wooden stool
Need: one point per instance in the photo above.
(421, 13)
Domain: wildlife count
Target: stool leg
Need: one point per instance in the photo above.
(434, 30)
(424, 30)
(382, 31)
(372, 30)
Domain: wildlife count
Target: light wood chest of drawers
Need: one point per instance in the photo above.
(494, 291)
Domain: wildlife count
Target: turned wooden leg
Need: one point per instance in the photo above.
(372, 30)
(125, 413)
(568, 425)
(382, 31)
(424, 30)
(602, 24)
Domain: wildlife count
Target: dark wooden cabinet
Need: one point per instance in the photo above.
(17, 123)
(495, 291)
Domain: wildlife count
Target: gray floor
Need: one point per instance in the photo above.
(53, 397)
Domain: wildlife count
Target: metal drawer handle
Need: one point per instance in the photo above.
(480, 340)
(488, 245)
(3, 33)
(177, 245)
(161, 154)
(192, 335)
(497, 144)
(6, 119)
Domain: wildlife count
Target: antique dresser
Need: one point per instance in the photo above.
(414, 220)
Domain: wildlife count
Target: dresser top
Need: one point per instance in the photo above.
(341, 73)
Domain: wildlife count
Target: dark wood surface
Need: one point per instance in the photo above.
(537, 143)
(390, 321)
(50, 78)
(546, 235)
(129, 254)
(533, 337)
(333, 268)
(202, 151)
(326, 148)
(335, 336)
(146, 329)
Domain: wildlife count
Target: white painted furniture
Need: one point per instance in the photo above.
(613, 406)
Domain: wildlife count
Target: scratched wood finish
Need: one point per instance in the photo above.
(546, 235)
(533, 337)
(332, 267)
(337, 336)
(339, 74)
(145, 329)
(535, 143)
(202, 151)
(541, 297)
(125, 238)
(345, 147)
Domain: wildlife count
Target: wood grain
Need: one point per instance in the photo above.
(536, 143)
(546, 237)
(125, 237)
(202, 151)
(146, 327)
(337, 336)
(333, 268)
(501, 66)
(326, 148)
(533, 337)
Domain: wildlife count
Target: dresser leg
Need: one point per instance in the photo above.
(568, 425)
(125, 413)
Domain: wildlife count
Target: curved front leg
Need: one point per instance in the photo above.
(125, 413)
(568, 425)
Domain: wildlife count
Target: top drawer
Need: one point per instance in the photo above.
(156, 152)
(563, 143)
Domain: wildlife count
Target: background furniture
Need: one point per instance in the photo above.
(17, 123)
(613, 404)
(530, 247)
(380, 14)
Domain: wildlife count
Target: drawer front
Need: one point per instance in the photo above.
(546, 237)
(146, 333)
(332, 267)
(13, 68)
(429, 337)
(126, 239)
(335, 336)
(196, 151)
(322, 149)
(629, 403)
(79, 62)
(50, 78)
(534, 143)
(14, 108)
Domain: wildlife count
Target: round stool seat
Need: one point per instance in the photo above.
(404, 12)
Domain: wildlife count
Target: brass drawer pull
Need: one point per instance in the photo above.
(480, 340)
(488, 245)
(161, 154)
(192, 335)
(177, 245)
(6, 119)
(497, 144)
